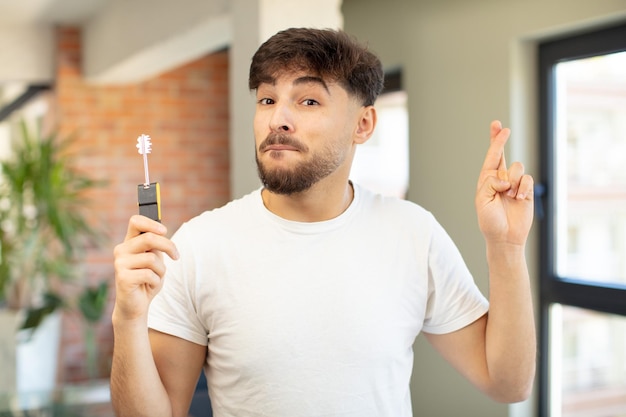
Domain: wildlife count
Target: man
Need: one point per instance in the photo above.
(304, 297)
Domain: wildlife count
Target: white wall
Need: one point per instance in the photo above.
(466, 62)
(26, 53)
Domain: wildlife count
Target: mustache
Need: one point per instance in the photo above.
(282, 139)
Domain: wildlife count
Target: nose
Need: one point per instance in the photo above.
(282, 119)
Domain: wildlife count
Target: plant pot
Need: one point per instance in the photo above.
(28, 360)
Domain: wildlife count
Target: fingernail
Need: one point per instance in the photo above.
(521, 196)
(511, 193)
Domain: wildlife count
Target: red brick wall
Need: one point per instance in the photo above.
(185, 111)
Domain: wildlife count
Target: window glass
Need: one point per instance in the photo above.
(587, 363)
(590, 168)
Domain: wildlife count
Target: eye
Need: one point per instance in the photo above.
(310, 102)
(266, 101)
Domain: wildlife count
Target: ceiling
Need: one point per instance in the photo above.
(24, 12)
(36, 12)
(180, 35)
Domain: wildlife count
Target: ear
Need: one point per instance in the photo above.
(365, 124)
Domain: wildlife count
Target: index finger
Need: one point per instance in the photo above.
(494, 160)
(141, 224)
(145, 235)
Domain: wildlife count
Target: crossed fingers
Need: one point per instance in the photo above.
(511, 180)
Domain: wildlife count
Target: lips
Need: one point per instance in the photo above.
(279, 142)
(279, 148)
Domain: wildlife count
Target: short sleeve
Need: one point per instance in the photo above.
(173, 310)
(454, 300)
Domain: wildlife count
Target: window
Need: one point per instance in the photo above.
(583, 231)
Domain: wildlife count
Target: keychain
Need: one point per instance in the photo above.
(148, 194)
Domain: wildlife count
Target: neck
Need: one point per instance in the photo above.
(316, 204)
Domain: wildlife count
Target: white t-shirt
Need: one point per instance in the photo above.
(314, 319)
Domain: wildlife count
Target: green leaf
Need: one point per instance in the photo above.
(35, 316)
(92, 302)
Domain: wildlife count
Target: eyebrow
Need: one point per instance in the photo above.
(309, 79)
(305, 79)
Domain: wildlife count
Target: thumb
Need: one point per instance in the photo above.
(491, 186)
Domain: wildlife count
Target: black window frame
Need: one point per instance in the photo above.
(606, 298)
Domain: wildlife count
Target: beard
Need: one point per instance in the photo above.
(303, 175)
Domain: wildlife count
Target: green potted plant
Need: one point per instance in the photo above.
(92, 304)
(43, 224)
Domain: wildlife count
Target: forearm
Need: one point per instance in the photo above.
(136, 388)
(510, 334)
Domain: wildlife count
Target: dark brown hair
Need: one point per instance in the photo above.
(332, 55)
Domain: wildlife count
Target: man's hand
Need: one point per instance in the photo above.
(497, 352)
(139, 267)
(504, 197)
(138, 387)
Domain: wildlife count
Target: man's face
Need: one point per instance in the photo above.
(303, 131)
